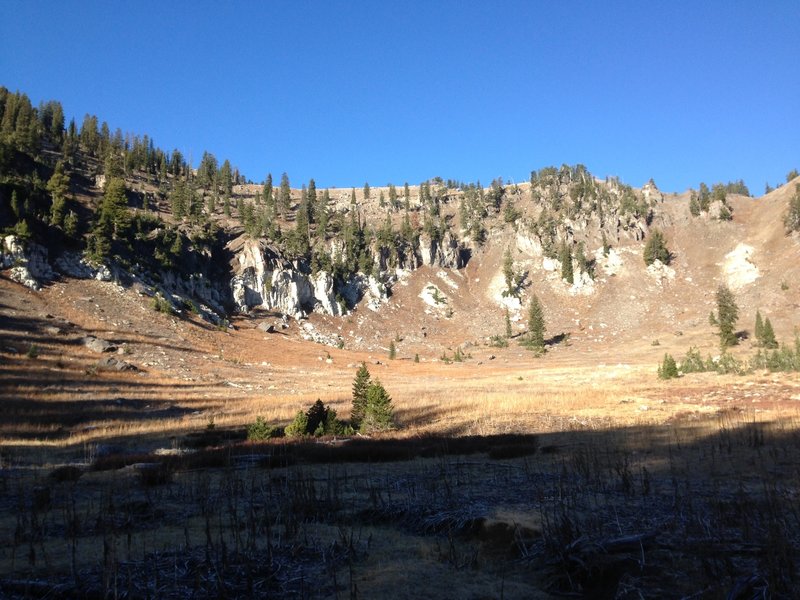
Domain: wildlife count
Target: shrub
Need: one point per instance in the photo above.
(318, 420)
(161, 304)
(299, 426)
(261, 430)
(667, 369)
(692, 362)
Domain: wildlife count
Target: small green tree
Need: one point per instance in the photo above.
(768, 336)
(299, 426)
(567, 273)
(360, 386)
(509, 331)
(668, 369)
(759, 328)
(727, 315)
(508, 274)
(58, 186)
(694, 204)
(366, 191)
(656, 248)
(792, 218)
(379, 415)
(536, 326)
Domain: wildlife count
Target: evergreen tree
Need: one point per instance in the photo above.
(508, 274)
(727, 315)
(71, 225)
(366, 191)
(509, 331)
(58, 186)
(392, 350)
(225, 177)
(792, 218)
(668, 369)
(267, 191)
(311, 201)
(566, 264)
(16, 206)
(656, 248)
(759, 328)
(114, 208)
(360, 386)
(285, 197)
(768, 336)
(536, 326)
(378, 415)
(694, 205)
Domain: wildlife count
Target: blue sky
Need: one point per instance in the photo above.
(380, 91)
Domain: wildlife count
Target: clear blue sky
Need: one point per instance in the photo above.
(380, 90)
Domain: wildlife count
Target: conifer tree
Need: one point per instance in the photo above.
(566, 264)
(668, 369)
(285, 198)
(378, 415)
(768, 336)
(727, 315)
(366, 191)
(759, 328)
(360, 386)
(694, 205)
(509, 331)
(58, 186)
(656, 248)
(536, 326)
(508, 274)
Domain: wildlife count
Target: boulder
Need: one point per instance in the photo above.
(98, 345)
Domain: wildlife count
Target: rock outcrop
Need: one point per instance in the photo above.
(263, 279)
(29, 262)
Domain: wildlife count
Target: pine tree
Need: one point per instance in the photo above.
(694, 205)
(285, 197)
(360, 386)
(536, 326)
(58, 186)
(668, 369)
(792, 218)
(392, 350)
(16, 206)
(768, 336)
(727, 315)
(656, 249)
(311, 201)
(508, 274)
(378, 415)
(366, 191)
(509, 331)
(759, 329)
(566, 264)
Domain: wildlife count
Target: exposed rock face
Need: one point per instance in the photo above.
(74, 265)
(447, 253)
(265, 280)
(28, 261)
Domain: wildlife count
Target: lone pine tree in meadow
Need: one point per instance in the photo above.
(726, 317)
(360, 387)
(536, 327)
